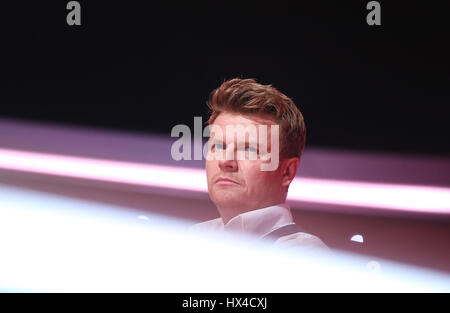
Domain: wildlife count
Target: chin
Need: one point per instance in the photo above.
(225, 199)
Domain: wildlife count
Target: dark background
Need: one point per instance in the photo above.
(146, 67)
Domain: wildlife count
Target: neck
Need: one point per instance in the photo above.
(228, 213)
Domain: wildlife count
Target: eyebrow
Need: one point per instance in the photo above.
(212, 140)
(215, 141)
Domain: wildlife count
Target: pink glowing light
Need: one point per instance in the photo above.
(361, 194)
(372, 195)
(104, 170)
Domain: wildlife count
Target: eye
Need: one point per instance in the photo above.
(217, 146)
(249, 149)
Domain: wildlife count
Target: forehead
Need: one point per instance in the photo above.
(235, 126)
(226, 118)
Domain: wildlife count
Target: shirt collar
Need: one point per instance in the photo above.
(262, 221)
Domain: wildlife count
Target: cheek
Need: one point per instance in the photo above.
(210, 169)
(261, 180)
(252, 174)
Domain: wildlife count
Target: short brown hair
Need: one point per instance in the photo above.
(246, 96)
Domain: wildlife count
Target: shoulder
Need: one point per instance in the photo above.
(210, 225)
(304, 241)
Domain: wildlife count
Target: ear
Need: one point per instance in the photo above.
(289, 171)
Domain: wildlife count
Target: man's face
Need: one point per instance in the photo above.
(252, 188)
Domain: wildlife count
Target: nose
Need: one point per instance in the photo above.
(229, 163)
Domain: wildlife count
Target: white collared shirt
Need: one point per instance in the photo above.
(261, 222)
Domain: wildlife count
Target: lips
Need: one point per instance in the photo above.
(225, 181)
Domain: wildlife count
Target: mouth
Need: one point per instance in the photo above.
(225, 181)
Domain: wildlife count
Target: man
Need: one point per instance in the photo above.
(249, 194)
